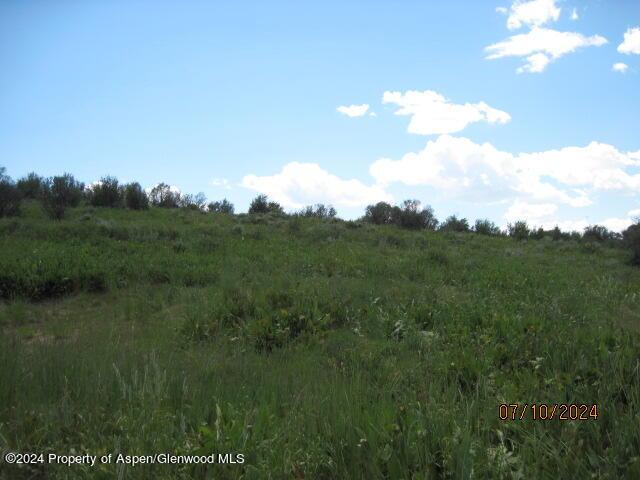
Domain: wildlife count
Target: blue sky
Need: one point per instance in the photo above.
(236, 98)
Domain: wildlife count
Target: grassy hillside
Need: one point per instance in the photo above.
(318, 349)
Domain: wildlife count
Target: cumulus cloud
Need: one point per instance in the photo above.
(300, 184)
(531, 212)
(540, 46)
(531, 13)
(432, 113)
(631, 43)
(462, 168)
(353, 110)
(620, 67)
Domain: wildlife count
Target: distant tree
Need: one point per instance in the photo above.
(105, 193)
(10, 195)
(318, 211)
(379, 214)
(261, 204)
(486, 227)
(30, 186)
(455, 224)
(411, 216)
(519, 230)
(631, 238)
(135, 197)
(598, 233)
(193, 202)
(223, 206)
(163, 196)
(408, 215)
(556, 234)
(59, 193)
(537, 234)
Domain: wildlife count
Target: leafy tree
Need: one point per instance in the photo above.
(193, 202)
(318, 211)
(519, 230)
(223, 206)
(10, 195)
(631, 238)
(455, 224)
(486, 227)
(379, 214)
(30, 186)
(598, 233)
(163, 196)
(59, 193)
(106, 193)
(135, 197)
(410, 216)
(261, 204)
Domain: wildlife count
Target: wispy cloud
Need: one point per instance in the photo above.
(353, 110)
(540, 46)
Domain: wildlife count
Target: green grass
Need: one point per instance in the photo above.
(316, 349)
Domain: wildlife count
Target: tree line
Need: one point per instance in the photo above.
(58, 193)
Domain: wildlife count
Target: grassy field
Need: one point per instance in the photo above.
(317, 349)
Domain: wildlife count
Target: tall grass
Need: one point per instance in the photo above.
(317, 351)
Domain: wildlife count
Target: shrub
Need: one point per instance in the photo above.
(30, 186)
(260, 204)
(135, 197)
(598, 233)
(455, 224)
(162, 195)
(193, 202)
(59, 193)
(9, 195)
(380, 214)
(223, 206)
(105, 193)
(519, 230)
(631, 237)
(486, 227)
(318, 211)
(408, 215)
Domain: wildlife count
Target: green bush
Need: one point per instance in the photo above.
(223, 206)
(135, 197)
(519, 230)
(455, 224)
(162, 195)
(60, 193)
(30, 186)
(261, 204)
(486, 227)
(105, 193)
(631, 238)
(9, 196)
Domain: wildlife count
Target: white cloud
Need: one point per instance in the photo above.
(531, 13)
(458, 167)
(531, 212)
(540, 46)
(631, 43)
(431, 113)
(300, 184)
(634, 213)
(574, 14)
(620, 67)
(353, 110)
(221, 182)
